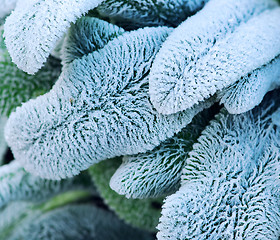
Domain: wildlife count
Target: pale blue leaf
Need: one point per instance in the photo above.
(87, 35)
(230, 184)
(249, 91)
(98, 109)
(158, 172)
(34, 28)
(76, 222)
(6, 7)
(11, 216)
(210, 51)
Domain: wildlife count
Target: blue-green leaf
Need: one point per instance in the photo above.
(138, 13)
(87, 35)
(98, 109)
(33, 29)
(210, 51)
(230, 184)
(158, 172)
(143, 214)
(18, 185)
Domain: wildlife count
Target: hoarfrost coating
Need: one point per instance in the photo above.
(210, 51)
(98, 109)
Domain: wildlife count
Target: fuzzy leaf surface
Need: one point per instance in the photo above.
(158, 172)
(87, 35)
(230, 184)
(210, 51)
(137, 13)
(6, 7)
(98, 109)
(34, 28)
(249, 91)
(18, 185)
(17, 86)
(75, 222)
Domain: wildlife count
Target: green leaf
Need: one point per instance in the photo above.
(158, 172)
(17, 86)
(139, 213)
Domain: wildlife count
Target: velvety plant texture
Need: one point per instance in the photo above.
(139, 119)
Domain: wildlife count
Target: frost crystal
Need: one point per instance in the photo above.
(210, 51)
(230, 182)
(158, 172)
(18, 185)
(33, 29)
(150, 12)
(249, 91)
(86, 36)
(98, 109)
(143, 214)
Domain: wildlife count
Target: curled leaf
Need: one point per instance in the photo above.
(34, 28)
(230, 182)
(210, 51)
(98, 109)
(249, 91)
(135, 13)
(143, 214)
(158, 172)
(87, 35)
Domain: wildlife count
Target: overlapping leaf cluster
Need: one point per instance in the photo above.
(128, 108)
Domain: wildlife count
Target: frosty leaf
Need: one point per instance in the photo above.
(98, 109)
(6, 7)
(33, 29)
(249, 91)
(210, 51)
(139, 213)
(86, 36)
(150, 12)
(76, 222)
(3, 144)
(230, 182)
(158, 172)
(17, 185)
(16, 86)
